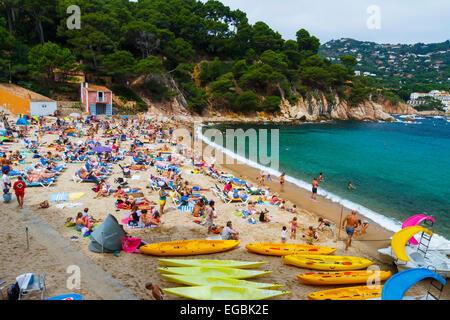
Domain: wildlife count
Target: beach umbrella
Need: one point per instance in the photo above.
(35, 118)
(4, 138)
(125, 117)
(101, 149)
(67, 119)
(76, 115)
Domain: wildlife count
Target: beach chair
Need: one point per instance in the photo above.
(253, 192)
(77, 179)
(154, 185)
(221, 194)
(178, 200)
(46, 183)
(37, 286)
(172, 186)
(229, 200)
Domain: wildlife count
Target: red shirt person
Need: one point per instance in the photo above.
(19, 188)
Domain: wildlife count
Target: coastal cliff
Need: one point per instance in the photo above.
(317, 110)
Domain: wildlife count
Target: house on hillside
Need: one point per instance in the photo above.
(96, 100)
(16, 99)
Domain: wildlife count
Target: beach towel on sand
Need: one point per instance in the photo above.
(59, 196)
(68, 205)
(125, 222)
(187, 208)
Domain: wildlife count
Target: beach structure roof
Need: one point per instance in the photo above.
(93, 87)
(24, 93)
(107, 236)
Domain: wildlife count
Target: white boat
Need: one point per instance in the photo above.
(434, 259)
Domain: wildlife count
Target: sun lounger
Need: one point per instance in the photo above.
(229, 200)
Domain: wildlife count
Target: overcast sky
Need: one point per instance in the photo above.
(401, 21)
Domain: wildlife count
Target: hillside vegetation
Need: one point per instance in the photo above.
(205, 54)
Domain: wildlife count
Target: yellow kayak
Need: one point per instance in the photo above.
(283, 249)
(188, 247)
(214, 272)
(323, 262)
(343, 277)
(348, 293)
(224, 293)
(201, 280)
(209, 263)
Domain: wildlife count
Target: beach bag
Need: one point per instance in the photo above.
(7, 197)
(44, 204)
(130, 244)
(13, 292)
(70, 222)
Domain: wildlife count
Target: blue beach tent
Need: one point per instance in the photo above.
(22, 121)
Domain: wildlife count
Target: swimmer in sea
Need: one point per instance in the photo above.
(320, 177)
(350, 186)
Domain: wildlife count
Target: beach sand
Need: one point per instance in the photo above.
(133, 270)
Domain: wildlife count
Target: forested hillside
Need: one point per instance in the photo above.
(212, 54)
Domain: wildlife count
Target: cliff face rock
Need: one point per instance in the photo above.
(320, 109)
(398, 108)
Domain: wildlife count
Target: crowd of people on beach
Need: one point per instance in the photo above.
(96, 145)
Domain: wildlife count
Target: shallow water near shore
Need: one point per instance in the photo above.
(399, 169)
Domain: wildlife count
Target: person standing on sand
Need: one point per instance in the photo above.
(210, 216)
(351, 223)
(282, 181)
(19, 188)
(315, 185)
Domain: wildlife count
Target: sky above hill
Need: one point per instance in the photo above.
(382, 21)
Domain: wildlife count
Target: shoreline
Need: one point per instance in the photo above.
(331, 202)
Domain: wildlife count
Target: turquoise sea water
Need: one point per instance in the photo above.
(399, 169)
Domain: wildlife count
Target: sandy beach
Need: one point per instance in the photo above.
(106, 276)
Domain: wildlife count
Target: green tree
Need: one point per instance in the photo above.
(264, 38)
(247, 101)
(348, 61)
(149, 65)
(271, 104)
(119, 64)
(307, 43)
(44, 59)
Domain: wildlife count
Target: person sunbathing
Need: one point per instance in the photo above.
(103, 190)
(275, 200)
(148, 220)
(36, 176)
(139, 201)
(138, 167)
